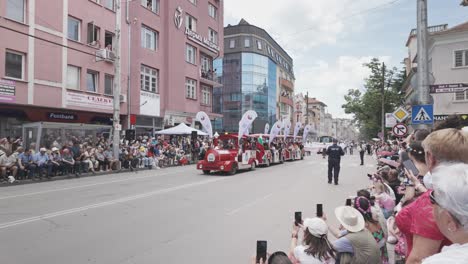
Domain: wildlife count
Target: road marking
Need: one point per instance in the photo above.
(112, 202)
(82, 186)
(249, 204)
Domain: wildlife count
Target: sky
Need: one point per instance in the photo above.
(329, 40)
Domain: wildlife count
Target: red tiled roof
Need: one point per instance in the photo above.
(315, 101)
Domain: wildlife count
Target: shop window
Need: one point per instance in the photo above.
(92, 80)
(73, 77)
(16, 9)
(14, 64)
(108, 84)
(149, 79)
(191, 88)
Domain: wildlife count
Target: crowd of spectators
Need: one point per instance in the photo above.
(407, 214)
(79, 155)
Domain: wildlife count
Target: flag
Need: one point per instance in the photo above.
(275, 130)
(306, 132)
(287, 127)
(246, 122)
(205, 121)
(296, 129)
(267, 128)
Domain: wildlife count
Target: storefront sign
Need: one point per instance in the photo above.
(61, 116)
(444, 117)
(89, 101)
(7, 91)
(204, 41)
(449, 88)
(149, 104)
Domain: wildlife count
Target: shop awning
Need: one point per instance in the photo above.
(181, 129)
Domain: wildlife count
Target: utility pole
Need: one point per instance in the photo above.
(117, 81)
(383, 102)
(423, 96)
(307, 107)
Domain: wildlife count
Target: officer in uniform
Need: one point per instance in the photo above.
(334, 153)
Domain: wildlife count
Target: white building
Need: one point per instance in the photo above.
(448, 63)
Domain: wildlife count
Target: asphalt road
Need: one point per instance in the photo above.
(175, 215)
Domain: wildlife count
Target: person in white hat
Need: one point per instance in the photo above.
(56, 161)
(355, 244)
(42, 161)
(315, 247)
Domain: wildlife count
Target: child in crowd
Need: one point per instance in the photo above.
(385, 201)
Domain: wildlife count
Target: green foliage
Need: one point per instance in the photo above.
(366, 103)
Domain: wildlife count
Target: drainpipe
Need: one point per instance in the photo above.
(127, 13)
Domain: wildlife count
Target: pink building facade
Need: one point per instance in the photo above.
(49, 70)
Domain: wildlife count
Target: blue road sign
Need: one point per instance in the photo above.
(422, 114)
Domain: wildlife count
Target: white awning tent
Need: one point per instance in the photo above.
(181, 129)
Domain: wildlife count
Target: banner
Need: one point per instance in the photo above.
(296, 129)
(275, 131)
(205, 121)
(306, 132)
(287, 127)
(267, 128)
(246, 122)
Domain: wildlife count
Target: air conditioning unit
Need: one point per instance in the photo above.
(123, 98)
(105, 55)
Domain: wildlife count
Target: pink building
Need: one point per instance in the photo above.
(49, 70)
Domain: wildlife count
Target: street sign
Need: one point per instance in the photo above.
(118, 127)
(390, 120)
(400, 114)
(422, 114)
(449, 88)
(400, 130)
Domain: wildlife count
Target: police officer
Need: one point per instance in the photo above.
(334, 153)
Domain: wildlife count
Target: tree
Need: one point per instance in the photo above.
(366, 105)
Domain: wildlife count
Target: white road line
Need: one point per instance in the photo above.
(249, 205)
(112, 202)
(82, 186)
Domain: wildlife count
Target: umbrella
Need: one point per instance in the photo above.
(181, 129)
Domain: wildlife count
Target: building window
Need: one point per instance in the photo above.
(212, 36)
(259, 45)
(247, 43)
(149, 79)
(191, 88)
(15, 10)
(152, 5)
(108, 84)
(109, 4)
(206, 95)
(232, 43)
(149, 38)
(74, 28)
(212, 11)
(108, 40)
(461, 96)
(93, 34)
(92, 80)
(14, 65)
(190, 54)
(461, 58)
(193, 2)
(191, 22)
(73, 77)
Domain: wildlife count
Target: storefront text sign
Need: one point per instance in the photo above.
(7, 91)
(89, 101)
(61, 116)
(204, 41)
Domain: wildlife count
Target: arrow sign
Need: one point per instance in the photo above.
(400, 130)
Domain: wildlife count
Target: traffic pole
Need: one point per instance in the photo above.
(383, 102)
(422, 89)
(117, 82)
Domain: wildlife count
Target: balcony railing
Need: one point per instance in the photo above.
(432, 29)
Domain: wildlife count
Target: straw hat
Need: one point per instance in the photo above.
(351, 219)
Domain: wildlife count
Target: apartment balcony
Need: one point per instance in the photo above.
(287, 84)
(210, 78)
(286, 100)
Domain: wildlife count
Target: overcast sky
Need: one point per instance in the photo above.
(329, 40)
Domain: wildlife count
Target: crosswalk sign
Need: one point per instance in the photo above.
(422, 114)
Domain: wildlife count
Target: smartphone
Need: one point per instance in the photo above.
(298, 218)
(409, 165)
(319, 210)
(348, 202)
(261, 250)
